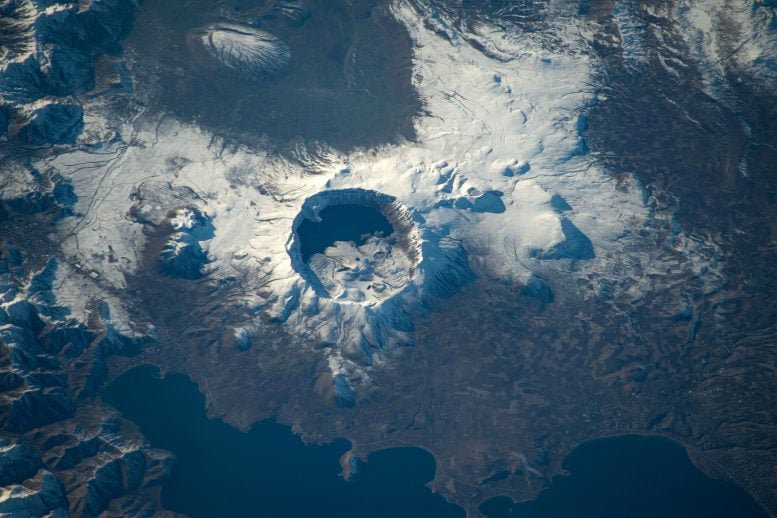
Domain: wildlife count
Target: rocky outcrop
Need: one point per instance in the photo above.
(67, 456)
(40, 495)
(18, 461)
(102, 461)
(39, 192)
(49, 51)
(27, 488)
(52, 123)
(49, 359)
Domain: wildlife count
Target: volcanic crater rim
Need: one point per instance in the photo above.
(367, 270)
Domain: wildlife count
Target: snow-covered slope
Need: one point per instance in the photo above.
(500, 141)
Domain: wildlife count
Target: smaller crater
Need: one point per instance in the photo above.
(245, 51)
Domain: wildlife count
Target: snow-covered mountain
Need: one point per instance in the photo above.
(499, 182)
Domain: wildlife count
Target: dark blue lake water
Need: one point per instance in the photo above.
(631, 476)
(221, 471)
(347, 222)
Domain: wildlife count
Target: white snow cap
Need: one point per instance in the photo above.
(498, 142)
